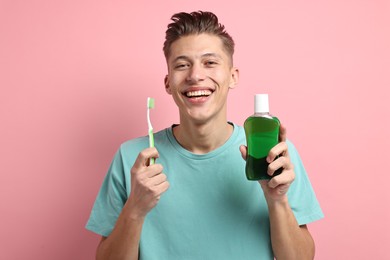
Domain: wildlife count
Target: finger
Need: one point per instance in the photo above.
(282, 133)
(243, 150)
(280, 163)
(279, 149)
(286, 178)
(162, 187)
(153, 170)
(157, 179)
(144, 156)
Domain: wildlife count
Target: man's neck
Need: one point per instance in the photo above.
(202, 138)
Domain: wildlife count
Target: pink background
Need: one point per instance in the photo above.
(75, 75)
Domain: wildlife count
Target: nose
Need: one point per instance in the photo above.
(196, 73)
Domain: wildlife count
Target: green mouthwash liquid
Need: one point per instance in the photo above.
(262, 134)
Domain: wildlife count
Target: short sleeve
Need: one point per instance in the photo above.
(301, 196)
(110, 200)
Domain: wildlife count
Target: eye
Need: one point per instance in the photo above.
(211, 63)
(181, 66)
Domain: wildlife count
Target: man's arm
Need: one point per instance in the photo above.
(289, 240)
(148, 183)
(123, 242)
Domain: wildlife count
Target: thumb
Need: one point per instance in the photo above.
(243, 150)
(282, 133)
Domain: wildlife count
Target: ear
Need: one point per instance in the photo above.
(234, 78)
(167, 87)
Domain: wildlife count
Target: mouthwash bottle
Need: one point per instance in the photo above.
(262, 134)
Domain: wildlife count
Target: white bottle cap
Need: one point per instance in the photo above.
(261, 103)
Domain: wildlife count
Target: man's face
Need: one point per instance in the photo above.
(199, 76)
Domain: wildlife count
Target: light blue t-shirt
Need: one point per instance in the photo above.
(210, 211)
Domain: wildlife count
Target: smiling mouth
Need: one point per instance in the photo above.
(198, 93)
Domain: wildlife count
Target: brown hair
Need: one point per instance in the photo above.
(195, 23)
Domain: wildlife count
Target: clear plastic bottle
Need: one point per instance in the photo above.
(262, 133)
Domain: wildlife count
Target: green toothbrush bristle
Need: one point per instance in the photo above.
(150, 102)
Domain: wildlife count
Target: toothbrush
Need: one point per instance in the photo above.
(150, 105)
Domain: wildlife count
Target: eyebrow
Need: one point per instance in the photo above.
(214, 55)
(206, 55)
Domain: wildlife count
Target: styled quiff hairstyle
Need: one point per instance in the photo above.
(185, 24)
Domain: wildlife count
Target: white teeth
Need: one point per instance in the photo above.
(198, 93)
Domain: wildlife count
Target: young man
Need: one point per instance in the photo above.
(195, 202)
